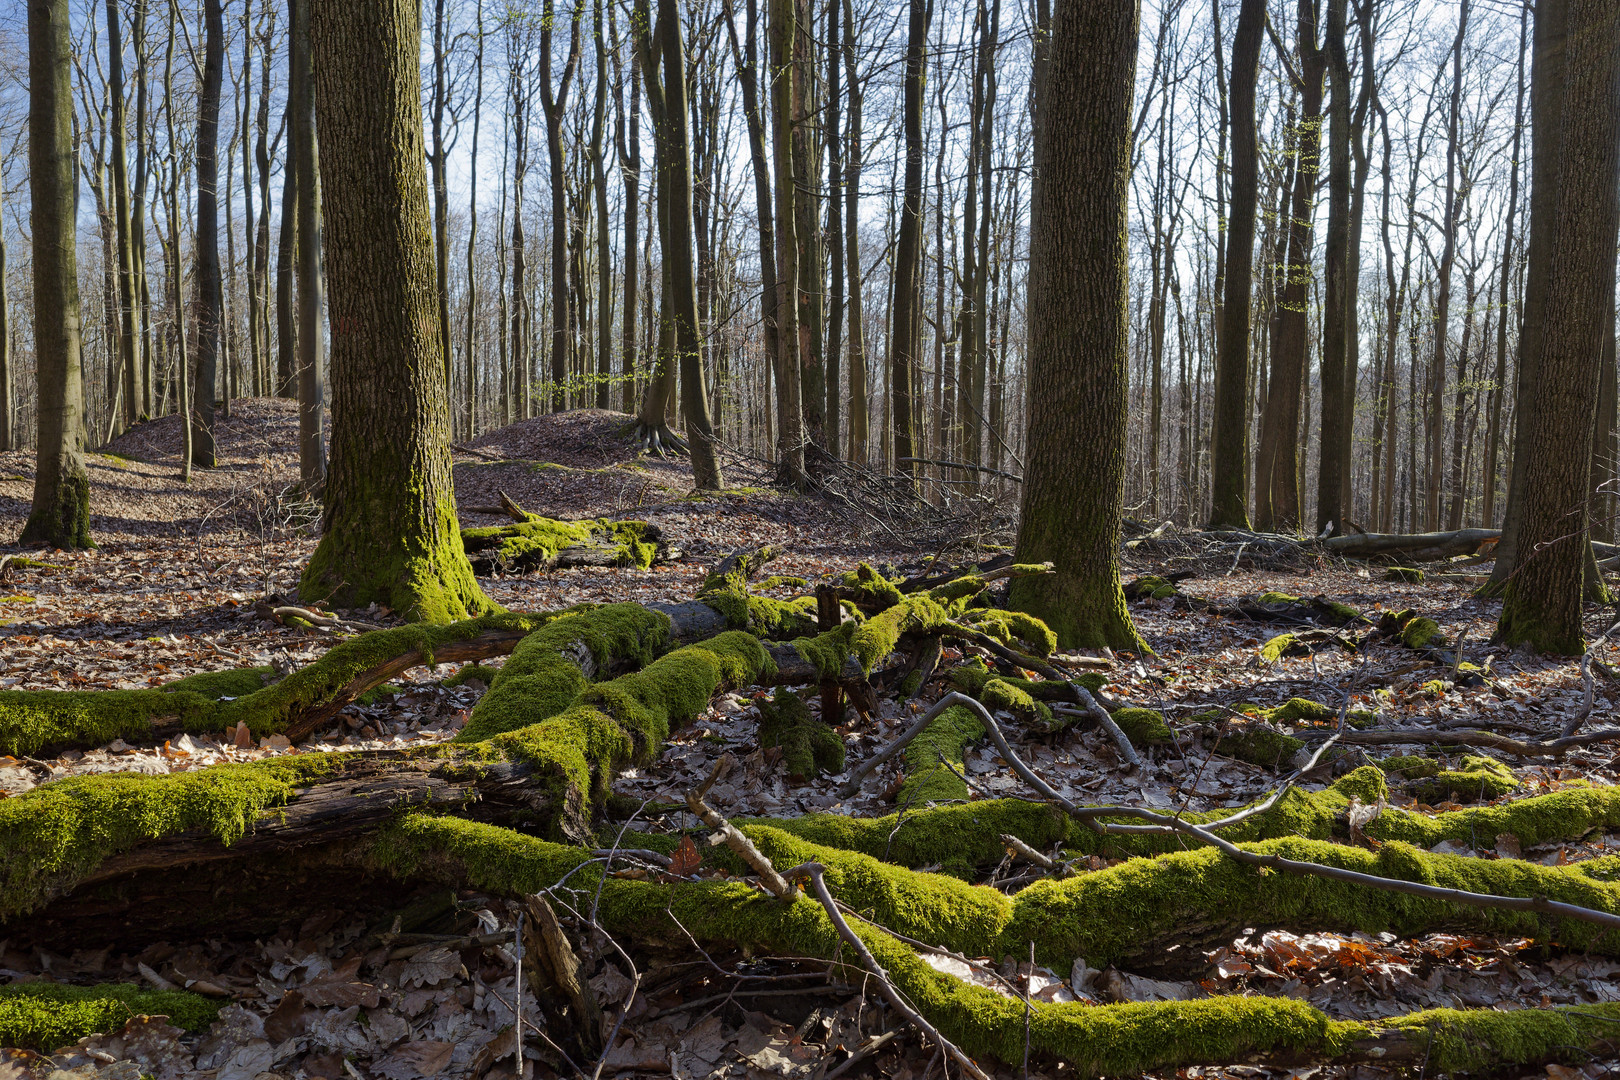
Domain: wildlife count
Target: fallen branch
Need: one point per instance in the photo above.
(818, 884)
(736, 841)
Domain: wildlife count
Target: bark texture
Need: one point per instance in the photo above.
(1074, 473)
(1542, 603)
(60, 515)
(390, 532)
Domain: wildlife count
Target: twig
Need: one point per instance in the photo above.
(864, 1051)
(774, 883)
(813, 872)
(1573, 724)
(1106, 722)
(1029, 854)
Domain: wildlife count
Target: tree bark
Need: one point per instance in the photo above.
(835, 231)
(311, 288)
(604, 241)
(790, 433)
(859, 408)
(554, 104)
(903, 310)
(1229, 449)
(1073, 491)
(1332, 482)
(389, 534)
(1493, 435)
(134, 407)
(676, 171)
(1542, 602)
(7, 403)
(1435, 444)
(1277, 466)
(441, 200)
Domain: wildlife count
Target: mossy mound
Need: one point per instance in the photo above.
(539, 541)
(809, 747)
(471, 673)
(44, 1016)
(1144, 727)
(1480, 778)
(1410, 766)
(1421, 633)
(1259, 744)
(1283, 645)
(1411, 575)
(1149, 587)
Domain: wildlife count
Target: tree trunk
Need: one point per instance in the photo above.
(254, 329)
(1073, 491)
(7, 404)
(903, 311)
(1493, 434)
(859, 408)
(209, 294)
(1546, 111)
(60, 515)
(1448, 257)
(675, 170)
(554, 104)
(302, 138)
(629, 150)
(286, 244)
(812, 262)
(1542, 602)
(1229, 448)
(604, 241)
(1277, 467)
(790, 434)
(470, 330)
(835, 232)
(1332, 482)
(389, 534)
(441, 201)
(134, 407)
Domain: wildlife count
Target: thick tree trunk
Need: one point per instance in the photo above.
(60, 515)
(286, 257)
(311, 288)
(8, 405)
(1542, 602)
(470, 330)
(1229, 449)
(209, 293)
(835, 230)
(441, 199)
(629, 150)
(1073, 492)
(389, 533)
(604, 241)
(1546, 149)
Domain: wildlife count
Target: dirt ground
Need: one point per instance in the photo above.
(170, 591)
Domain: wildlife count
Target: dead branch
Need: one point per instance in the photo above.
(736, 841)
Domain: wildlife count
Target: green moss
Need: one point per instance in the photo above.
(1483, 1039)
(32, 720)
(48, 1016)
(470, 673)
(1101, 915)
(1278, 598)
(809, 747)
(727, 592)
(1421, 633)
(1410, 767)
(1480, 778)
(539, 540)
(422, 573)
(1259, 744)
(55, 834)
(828, 650)
(234, 683)
(542, 677)
(1280, 646)
(1409, 574)
(1007, 696)
(1009, 626)
(1144, 727)
(782, 581)
(959, 837)
(878, 636)
(1297, 709)
(870, 590)
(1150, 586)
(945, 739)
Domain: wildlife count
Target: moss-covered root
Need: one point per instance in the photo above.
(1106, 1040)
(36, 720)
(725, 589)
(47, 1016)
(1476, 778)
(627, 720)
(544, 543)
(809, 747)
(934, 759)
(551, 667)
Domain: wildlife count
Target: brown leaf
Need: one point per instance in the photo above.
(687, 859)
(415, 1059)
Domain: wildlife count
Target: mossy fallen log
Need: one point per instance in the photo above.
(1105, 1040)
(538, 543)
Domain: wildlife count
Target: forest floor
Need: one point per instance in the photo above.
(175, 588)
